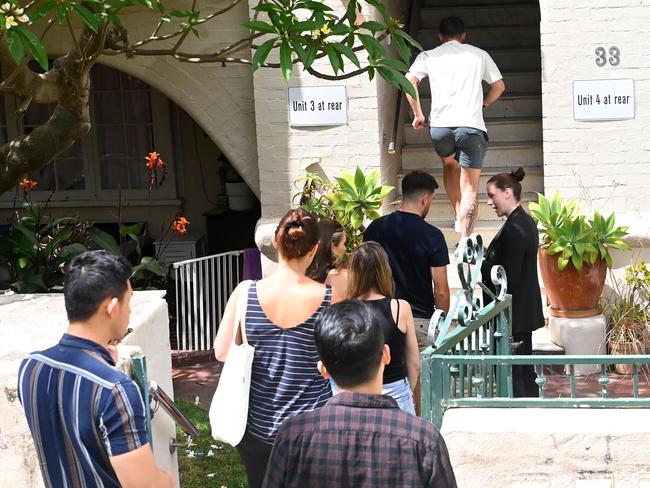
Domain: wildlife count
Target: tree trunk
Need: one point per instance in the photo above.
(68, 84)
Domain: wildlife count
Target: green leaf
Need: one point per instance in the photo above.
(87, 17)
(396, 64)
(316, 6)
(286, 64)
(396, 78)
(180, 13)
(148, 264)
(334, 57)
(261, 53)
(41, 11)
(373, 26)
(402, 49)
(407, 38)
(104, 240)
(260, 26)
(15, 43)
(35, 46)
(70, 251)
(305, 25)
(146, 3)
(562, 263)
(298, 49)
(23, 263)
(312, 51)
(347, 52)
(372, 45)
(131, 229)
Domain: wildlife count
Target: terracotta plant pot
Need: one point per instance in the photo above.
(572, 293)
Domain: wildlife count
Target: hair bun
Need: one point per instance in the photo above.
(295, 229)
(518, 174)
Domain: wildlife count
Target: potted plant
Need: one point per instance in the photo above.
(240, 196)
(351, 200)
(574, 255)
(629, 315)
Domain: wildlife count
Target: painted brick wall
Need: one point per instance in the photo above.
(605, 164)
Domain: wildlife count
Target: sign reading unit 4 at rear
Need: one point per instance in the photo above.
(603, 100)
(318, 106)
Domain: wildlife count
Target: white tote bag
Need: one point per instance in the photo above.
(229, 407)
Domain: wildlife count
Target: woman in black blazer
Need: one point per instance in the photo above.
(515, 248)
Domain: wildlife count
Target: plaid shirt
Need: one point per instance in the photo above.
(359, 440)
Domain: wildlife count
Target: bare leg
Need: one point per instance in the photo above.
(469, 179)
(451, 179)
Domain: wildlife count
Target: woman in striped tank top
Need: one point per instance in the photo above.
(370, 279)
(279, 321)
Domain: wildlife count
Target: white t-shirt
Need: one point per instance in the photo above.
(455, 71)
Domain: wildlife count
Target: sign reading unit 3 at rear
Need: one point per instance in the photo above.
(317, 106)
(603, 100)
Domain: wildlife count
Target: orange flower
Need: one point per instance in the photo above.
(160, 164)
(28, 185)
(151, 159)
(179, 225)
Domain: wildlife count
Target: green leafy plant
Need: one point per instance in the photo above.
(352, 200)
(629, 310)
(34, 254)
(573, 237)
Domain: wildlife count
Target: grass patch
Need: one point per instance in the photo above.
(224, 468)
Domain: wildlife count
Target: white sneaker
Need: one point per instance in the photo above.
(457, 225)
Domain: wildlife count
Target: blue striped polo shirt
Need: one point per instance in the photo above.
(81, 410)
(285, 380)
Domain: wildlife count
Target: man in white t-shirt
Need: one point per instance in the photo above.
(458, 132)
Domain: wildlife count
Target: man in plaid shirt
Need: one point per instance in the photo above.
(360, 437)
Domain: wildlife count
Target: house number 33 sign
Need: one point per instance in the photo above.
(611, 56)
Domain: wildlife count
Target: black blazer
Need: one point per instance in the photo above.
(515, 248)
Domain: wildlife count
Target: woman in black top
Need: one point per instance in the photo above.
(370, 279)
(515, 248)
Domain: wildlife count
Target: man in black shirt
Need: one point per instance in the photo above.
(417, 251)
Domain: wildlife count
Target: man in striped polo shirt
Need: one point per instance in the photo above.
(86, 417)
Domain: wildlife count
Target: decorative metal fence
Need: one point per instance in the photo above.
(203, 286)
(470, 364)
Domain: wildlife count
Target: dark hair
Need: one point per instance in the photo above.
(349, 339)
(324, 259)
(296, 233)
(368, 270)
(451, 27)
(416, 183)
(509, 180)
(91, 278)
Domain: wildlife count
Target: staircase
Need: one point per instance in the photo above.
(509, 31)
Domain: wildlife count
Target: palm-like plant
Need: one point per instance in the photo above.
(573, 237)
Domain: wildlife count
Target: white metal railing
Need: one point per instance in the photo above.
(203, 286)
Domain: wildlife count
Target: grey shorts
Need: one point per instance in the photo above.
(421, 331)
(467, 143)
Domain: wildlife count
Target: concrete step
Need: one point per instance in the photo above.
(473, 15)
(509, 105)
(518, 82)
(499, 154)
(454, 3)
(441, 210)
(511, 129)
(489, 37)
(514, 58)
(532, 183)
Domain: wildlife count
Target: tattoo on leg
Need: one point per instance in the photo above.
(470, 211)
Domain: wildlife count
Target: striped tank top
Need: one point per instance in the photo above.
(285, 380)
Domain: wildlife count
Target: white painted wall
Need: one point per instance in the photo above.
(35, 322)
(605, 164)
(548, 448)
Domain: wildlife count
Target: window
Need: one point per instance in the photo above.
(129, 119)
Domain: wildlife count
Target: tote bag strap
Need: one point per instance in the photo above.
(240, 312)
